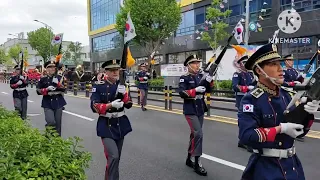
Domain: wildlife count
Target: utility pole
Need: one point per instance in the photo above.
(246, 38)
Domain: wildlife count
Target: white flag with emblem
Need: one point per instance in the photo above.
(57, 39)
(238, 32)
(130, 31)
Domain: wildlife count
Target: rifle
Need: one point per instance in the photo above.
(123, 65)
(21, 65)
(211, 68)
(309, 88)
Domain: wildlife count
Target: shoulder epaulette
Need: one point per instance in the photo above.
(257, 92)
(99, 82)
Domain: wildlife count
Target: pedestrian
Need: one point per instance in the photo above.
(194, 108)
(18, 82)
(109, 99)
(262, 123)
(51, 87)
(242, 82)
(142, 77)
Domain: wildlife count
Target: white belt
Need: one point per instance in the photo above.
(279, 153)
(199, 96)
(143, 82)
(113, 115)
(20, 89)
(54, 93)
(240, 93)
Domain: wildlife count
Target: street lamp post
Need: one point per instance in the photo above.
(47, 27)
(246, 36)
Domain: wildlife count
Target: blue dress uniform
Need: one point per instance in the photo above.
(113, 125)
(52, 89)
(142, 77)
(20, 95)
(194, 108)
(241, 81)
(291, 75)
(262, 111)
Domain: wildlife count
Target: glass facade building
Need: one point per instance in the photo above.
(106, 42)
(103, 13)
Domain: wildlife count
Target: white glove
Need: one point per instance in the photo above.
(297, 82)
(121, 89)
(117, 103)
(312, 107)
(291, 129)
(145, 78)
(302, 75)
(22, 78)
(209, 78)
(200, 89)
(51, 88)
(19, 82)
(250, 87)
(55, 80)
(148, 74)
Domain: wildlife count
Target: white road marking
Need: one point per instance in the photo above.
(224, 162)
(78, 115)
(30, 101)
(4, 93)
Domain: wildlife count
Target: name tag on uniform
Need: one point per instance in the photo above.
(93, 90)
(181, 80)
(247, 108)
(235, 75)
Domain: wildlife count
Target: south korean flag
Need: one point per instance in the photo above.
(247, 108)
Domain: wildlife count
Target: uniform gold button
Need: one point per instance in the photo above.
(285, 172)
(280, 143)
(110, 125)
(118, 124)
(293, 168)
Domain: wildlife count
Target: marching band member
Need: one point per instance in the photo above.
(242, 82)
(262, 124)
(291, 75)
(20, 95)
(194, 108)
(142, 77)
(52, 89)
(109, 99)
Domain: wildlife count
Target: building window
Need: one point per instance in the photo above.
(106, 42)
(103, 13)
(187, 23)
(200, 15)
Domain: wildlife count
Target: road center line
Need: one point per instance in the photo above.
(4, 93)
(224, 162)
(78, 115)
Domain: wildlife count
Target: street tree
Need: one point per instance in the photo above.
(40, 40)
(3, 57)
(154, 21)
(15, 53)
(214, 16)
(74, 52)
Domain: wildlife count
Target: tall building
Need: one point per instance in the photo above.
(105, 40)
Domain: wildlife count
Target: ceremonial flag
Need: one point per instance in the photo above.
(130, 31)
(238, 35)
(57, 39)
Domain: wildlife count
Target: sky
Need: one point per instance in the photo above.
(64, 16)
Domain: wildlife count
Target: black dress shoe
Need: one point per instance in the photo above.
(200, 170)
(242, 146)
(144, 109)
(189, 163)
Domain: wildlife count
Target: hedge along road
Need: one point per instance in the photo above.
(156, 148)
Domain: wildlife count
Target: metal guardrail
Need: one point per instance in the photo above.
(167, 93)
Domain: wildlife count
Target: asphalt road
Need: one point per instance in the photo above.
(156, 149)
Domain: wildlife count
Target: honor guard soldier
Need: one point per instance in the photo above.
(291, 75)
(262, 123)
(109, 99)
(194, 108)
(142, 77)
(242, 82)
(52, 89)
(20, 95)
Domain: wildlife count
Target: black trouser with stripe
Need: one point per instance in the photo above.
(196, 135)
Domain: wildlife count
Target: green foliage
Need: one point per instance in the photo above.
(215, 15)
(40, 40)
(153, 20)
(4, 58)
(14, 53)
(25, 153)
(224, 85)
(74, 52)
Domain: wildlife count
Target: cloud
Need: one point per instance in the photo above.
(64, 16)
